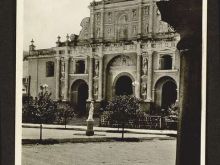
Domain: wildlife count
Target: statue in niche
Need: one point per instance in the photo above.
(123, 19)
(96, 68)
(97, 18)
(98, 32)
(62, 68)
(144, 90)
(123, 32)
(134, 12)
(134, 30)
(109, 31)
(95, 88)
(109, 17)
(145, 66)
(124, 61)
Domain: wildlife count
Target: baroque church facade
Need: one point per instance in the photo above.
(123, 48)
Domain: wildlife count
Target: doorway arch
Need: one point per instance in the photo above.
(165, 92)
(169, 94)
(79, 96)
(123, 86)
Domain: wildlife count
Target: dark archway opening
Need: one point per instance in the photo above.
(124, 86)
(80, 96)
(169, 94)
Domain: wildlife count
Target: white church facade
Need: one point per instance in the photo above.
(123, 48)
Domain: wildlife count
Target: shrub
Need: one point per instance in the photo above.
(122, 109)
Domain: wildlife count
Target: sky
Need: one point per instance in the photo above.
(44, 20)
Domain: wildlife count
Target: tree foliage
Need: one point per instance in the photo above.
(122, 109)
(64, 112)
(42, 109)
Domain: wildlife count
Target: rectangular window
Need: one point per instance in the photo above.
(49, 69)
(80, 67)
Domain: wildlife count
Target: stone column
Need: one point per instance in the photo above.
(102, 22)
(173, 61)
(150, 28)
(73, 65)
(100, 78)
(149, 77)
(57, 78)
(154, 18)
(86, 65)
(92, 22)
(140, 18)
(91, 60)
(66, 79)
(138, 74)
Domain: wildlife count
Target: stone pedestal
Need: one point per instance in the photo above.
(89, 131)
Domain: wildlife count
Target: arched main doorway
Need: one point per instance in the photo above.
(123, 86)
(119, 76)
(79, 95)
(169, 94)
(165, 92)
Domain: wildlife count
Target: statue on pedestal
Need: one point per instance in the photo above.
(91, 111)
(90, 121)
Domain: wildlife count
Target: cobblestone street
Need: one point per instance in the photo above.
(152, 152)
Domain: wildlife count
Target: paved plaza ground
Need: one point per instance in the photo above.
(154, 147)
(148, 152)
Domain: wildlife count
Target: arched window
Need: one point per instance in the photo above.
(166, 62)
(49, 69)
(80, 67)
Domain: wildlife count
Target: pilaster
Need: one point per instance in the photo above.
(151, 18)
(139, 51)
(92, 23)
(57, 78)
(140, 18)
(102, 21)
(100, 78)
(150, 76)
(91, 61)
(66, 79)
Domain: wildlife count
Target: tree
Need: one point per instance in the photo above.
(64, 112)
(122, 109)
(41, 110)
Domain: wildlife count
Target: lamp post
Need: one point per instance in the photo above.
(44, 90)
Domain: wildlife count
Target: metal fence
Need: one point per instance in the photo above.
(148, 122)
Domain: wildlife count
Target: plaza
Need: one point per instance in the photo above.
(153, 152)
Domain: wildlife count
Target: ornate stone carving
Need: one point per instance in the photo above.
(145, 65)
(97, 18)
(163, 27)
(84, 33)
(97, 32)
(109, 17)
(96, 68)
(122, 61)
(146, 10)
(96, 88)
(144, 90)
(62, 68)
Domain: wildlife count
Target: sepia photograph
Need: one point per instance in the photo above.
(114, 82)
